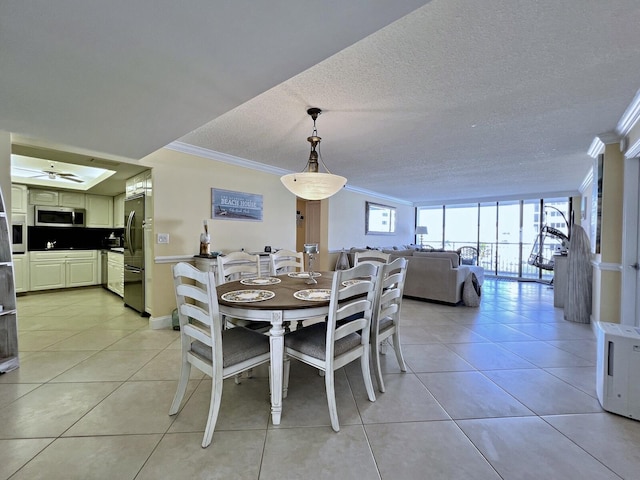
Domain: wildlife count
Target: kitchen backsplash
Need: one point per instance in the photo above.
(67, 237)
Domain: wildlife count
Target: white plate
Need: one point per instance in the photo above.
(304, 274)
(245, 296)
(314, 294)
(260, 281)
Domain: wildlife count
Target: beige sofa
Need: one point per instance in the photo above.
(433, 275)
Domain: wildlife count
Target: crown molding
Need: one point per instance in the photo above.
(243, 162)
(377, 195)
(630, 117)
(225, 158)
(588, 180)
(633, 151)
(596, 148)
(609, 137)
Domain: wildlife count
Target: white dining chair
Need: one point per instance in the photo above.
(385, 322)
(237, 265)
(371, 256)
(205, 345)
(284, 261)
(331, 345)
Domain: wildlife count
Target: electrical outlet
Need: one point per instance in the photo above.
(163, 238)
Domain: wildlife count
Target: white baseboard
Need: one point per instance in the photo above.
(156, 323)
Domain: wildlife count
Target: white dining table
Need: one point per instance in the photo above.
(282, 308)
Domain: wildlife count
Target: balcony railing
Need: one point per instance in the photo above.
(505, 259)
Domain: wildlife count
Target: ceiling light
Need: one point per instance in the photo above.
(312, 184)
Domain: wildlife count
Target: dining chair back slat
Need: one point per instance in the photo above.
(372, 256)
(237, 265)
(284, 261)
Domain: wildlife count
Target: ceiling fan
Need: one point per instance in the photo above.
(53, 174)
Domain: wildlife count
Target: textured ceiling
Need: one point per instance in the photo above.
(456, 100)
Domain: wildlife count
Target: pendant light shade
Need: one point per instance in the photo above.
(311, 184)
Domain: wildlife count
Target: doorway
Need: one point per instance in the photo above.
(308, 222)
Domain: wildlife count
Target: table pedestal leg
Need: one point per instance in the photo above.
(276, 340)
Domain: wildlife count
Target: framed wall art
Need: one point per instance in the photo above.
(230, 205)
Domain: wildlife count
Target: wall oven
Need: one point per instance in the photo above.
(19, 232)
(59, 216)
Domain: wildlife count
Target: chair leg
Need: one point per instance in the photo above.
(366, 374)
(214, 409)
(286, 367)
(377, 369)
(185, 371)
(398, 349)
(331, 400)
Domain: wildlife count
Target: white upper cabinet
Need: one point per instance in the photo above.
(71, 199)
(43, 197)
(118, 211)
(19, 198)
(99, 211)
(141, 183)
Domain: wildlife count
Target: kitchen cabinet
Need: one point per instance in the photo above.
(8, 312)
(43, 197)
(140, 183)
(118, 211)
(115, 273)
(21, 271)
(46, 275)
(19, 198)
(63, 269)
(56, 198)
(71, 199)
(99, 211)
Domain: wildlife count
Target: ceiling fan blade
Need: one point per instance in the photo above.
(69, 176)
(27, 169)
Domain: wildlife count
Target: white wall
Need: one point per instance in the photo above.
(182, 186)
(346, 222)
(5, 168)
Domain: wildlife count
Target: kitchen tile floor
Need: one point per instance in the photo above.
(506, 391)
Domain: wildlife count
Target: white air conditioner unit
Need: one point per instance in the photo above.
(618, 369)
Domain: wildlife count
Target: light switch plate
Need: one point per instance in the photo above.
(163, 238)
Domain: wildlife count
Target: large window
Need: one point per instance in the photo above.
(461, 226)
(432, 218)
(505, 233)
(508, 247)
(488, 237)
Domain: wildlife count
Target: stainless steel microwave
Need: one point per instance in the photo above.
(59, 216)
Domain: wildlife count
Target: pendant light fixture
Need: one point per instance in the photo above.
(312, 184)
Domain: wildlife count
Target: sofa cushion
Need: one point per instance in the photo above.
(452, 256)
(400, 253)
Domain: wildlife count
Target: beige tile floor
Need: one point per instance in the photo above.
(506, 391)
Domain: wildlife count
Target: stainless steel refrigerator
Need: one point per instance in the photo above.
(134, 253)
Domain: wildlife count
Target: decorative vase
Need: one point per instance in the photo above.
(205, 242)
(343, 261)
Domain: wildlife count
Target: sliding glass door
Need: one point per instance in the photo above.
(506, 233)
